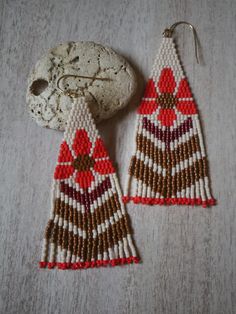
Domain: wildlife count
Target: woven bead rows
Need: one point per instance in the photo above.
(88, 225)
(169, 165)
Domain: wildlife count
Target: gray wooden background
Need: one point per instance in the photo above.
(188, 254)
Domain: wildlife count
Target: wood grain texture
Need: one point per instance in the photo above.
(188, 254)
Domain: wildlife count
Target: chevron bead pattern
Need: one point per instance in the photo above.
(169, 165)
(88, 225)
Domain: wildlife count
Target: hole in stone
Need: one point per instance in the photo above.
(38, 87)
(76, 59)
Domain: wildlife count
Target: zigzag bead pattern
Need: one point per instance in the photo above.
(169, 165)
(88, 225)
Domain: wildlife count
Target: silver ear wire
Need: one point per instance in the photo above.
(168, 32)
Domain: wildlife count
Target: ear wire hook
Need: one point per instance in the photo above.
(73, 93)
(169, 32)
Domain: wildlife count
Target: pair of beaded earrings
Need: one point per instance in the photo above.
(89, 225)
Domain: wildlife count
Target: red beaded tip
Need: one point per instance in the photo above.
(43, 264)
(169, 201)
(84, 265)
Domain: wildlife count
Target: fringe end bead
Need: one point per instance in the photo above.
(169, 201)
(92, 264)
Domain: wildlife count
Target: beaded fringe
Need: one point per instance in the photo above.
(169, 165)
(88, 225)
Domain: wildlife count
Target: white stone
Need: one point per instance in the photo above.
(49, 107)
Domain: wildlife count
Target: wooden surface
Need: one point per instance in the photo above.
(188, 254)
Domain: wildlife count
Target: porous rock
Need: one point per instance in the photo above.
(50, 107)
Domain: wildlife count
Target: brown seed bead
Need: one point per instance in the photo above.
(113, 232)
(146, 145)
(127, 223)
(65, 231)
(54, 234)
(48, 229)
(83, 163)
(120, 222)
(95, 240)
(109, 229)
(98, 222)
(167, 100)
(140, 168)
(57, 206)
(173, 178)
(195, 166)
(164, 178)
(154, 176)
(186, 170)
(80, 239)
(70, 241)
(89, 236)
(205, 167)
(151, 156)
(114, 210)
(84, 241)
(50, 224)
(60, 231)
(104, 240)
(132, 166)
(190, 153)
(75, 237)
(178, 178)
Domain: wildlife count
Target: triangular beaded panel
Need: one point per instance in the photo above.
(169, 165)
(88, 226)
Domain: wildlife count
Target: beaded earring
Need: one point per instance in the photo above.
(170, 164)
(88, 225)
